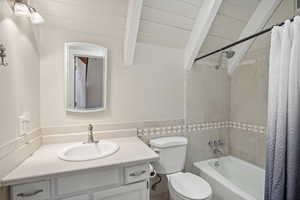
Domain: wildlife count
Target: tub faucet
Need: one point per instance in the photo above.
(218, 151)
(91, 138)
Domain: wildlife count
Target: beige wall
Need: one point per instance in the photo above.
(19, 83)
(20, 80)
(150, 90)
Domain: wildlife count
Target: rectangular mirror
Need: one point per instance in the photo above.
(86, 72)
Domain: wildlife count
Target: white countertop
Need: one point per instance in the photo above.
(44, 162)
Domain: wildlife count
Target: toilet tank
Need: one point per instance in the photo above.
(172, 153)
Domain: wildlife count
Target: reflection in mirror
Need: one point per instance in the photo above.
(86, 77)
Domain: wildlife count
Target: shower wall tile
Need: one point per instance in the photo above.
(261, 150)
(249, 85)
(207, 94)
(243, 144)
(249, 94)
(198, 148)
(248, 146)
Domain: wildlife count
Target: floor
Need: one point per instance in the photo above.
(160, 192)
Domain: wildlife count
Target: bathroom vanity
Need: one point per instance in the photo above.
(123, 175)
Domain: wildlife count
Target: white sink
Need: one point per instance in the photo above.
(88, 151)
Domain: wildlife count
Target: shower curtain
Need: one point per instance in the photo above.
(80, 83)
(283, 153)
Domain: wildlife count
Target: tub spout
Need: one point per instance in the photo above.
(218, 151)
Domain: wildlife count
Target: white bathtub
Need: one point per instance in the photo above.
(234, 179)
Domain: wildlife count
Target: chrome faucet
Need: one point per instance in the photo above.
(91, 138)
(215, 145)
(218, 151)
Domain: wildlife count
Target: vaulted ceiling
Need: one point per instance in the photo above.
(170, 23)
(232, 18)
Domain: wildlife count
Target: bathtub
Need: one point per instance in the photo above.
(233, 179)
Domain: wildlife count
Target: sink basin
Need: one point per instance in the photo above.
(88, 151)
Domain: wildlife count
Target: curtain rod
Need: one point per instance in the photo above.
(242, 40)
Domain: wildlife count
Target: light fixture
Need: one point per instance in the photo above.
(3, 56)
(21, 9)
(35, 17)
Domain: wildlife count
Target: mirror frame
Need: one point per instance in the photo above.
(67, 77)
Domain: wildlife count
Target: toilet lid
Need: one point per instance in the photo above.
(190, 186)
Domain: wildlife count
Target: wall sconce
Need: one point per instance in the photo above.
(35, 17)
(3, 56)
(22, 8)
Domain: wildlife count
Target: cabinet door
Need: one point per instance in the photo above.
(137, 191)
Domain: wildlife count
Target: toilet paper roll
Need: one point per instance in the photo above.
(152, 171)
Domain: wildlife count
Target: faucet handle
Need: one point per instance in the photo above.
(210, 143)
(220, 142)
(90, 128)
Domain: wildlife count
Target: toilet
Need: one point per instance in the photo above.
(182, 186)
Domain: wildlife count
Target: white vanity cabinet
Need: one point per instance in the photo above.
(113, 183)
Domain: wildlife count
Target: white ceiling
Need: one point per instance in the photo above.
(168, 22)
(104, 17)
(229, 23)
(163, 22)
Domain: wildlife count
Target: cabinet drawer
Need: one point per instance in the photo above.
(81, 181)
(136, 191)
(136, 173)
(81, 197)
(31, 191)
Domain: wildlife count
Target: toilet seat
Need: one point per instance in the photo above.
(190, 186)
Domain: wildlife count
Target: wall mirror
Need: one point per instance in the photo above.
(86, 76)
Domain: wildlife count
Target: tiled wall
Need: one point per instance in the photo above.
(206, 110)
(249, 94)
(249, 91)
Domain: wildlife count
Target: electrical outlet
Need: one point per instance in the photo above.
(24, 120)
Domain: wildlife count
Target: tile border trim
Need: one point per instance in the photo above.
(247, 127)
(196, 127)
